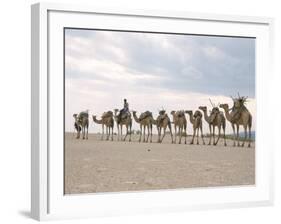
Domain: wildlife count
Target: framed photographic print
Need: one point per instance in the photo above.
(148, 111)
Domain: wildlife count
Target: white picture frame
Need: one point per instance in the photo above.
(47, 198)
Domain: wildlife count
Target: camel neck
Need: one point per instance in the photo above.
(191, 118)
(97, 121)
(227, 114)
(136, 118)
(206, 117)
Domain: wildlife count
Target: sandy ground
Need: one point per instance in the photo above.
(104, 166)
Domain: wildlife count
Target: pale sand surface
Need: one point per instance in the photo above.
(104, 166)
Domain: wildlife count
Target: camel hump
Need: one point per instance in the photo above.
(180, 113)
(83, 114)
(145, 115)
(107, 114)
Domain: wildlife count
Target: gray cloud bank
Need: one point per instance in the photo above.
(202, 64)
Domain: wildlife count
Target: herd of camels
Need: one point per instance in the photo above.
(236, 115)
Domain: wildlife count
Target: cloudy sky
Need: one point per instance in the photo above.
(154, 70)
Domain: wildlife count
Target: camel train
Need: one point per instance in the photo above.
(237, 115)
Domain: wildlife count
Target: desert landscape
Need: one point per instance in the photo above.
(145, 88)
(93, 165)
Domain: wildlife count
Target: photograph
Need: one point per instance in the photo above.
(150, 111)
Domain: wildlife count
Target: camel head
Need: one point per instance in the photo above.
(134, 112)
(115, 111)
(215, 111)
(162, 111)
(203, 108)
(77, 118)
(173, 112)
(197, 114)
(189, 112)
(224, 106)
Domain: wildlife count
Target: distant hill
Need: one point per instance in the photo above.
(253, 135)
(241, 135)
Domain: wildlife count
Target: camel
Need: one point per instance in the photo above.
(81, 123)
(107, 121)
(120, 121)
(163, 121)
(196, 121)
(216, 118)
(239, 116)
(145, 120)
(180, 122)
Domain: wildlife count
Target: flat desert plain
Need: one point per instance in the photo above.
(112, 166)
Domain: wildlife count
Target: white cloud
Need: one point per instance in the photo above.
(86, 94)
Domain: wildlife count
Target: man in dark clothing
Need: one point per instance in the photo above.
(125, 109)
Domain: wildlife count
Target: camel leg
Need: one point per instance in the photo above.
(130, 127)
(160, 130)
(140, 133)
(148, 130)
(175, 134)
(127, 132)
(214, 128)
(180, 133)
(144, 127)
(171, 133)
(83, 132)
(185, 135)
(197, 136)
(219, 135)
(164, 130)
(106, 133)
(224, 135)
(249, 142)
(151, 132)
(102, 132)
(121, 132)
(210, 138)
(245, 137)
(234, 138)
(202, 135)
(192, 141)
(111, 133)
(87, 130)
(117, 132)
(237, 135)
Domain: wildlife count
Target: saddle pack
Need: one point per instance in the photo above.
(145, 115)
